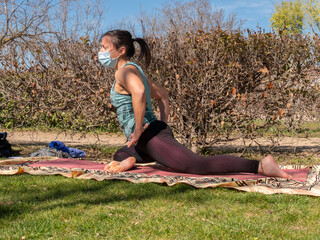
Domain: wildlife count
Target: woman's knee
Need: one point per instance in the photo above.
(125, 152)
(121, 154)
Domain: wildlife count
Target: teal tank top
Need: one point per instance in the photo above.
(123, 103)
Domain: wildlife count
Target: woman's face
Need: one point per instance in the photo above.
(107, 46)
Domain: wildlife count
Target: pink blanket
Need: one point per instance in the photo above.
(153, 169)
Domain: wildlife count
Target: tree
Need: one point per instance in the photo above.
(27, 20)
(312, 9)
(23, 20)
(289, 17)
(295, 16)
(187, 16)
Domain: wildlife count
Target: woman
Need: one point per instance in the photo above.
(148, 138)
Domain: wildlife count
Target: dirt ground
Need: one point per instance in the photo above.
(73, 139)
(68, 138)
(26, 142)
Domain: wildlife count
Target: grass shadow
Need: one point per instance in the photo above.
(66, 192)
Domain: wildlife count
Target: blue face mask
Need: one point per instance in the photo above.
(106, 60)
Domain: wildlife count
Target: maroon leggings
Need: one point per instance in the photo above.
(157, 143)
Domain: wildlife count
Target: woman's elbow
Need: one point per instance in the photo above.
(165, 96)
(139, 94)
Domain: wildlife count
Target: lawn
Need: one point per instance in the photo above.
(54, 207)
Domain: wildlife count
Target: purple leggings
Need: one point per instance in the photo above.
(157, 143)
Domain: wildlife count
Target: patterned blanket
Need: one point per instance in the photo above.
(305, 178)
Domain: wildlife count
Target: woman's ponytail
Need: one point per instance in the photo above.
(144, 51)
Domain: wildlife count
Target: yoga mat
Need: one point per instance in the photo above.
(157, 169)
(305, 178)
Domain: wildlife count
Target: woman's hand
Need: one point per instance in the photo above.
(136, 135)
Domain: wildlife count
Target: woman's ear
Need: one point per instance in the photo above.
(122, 51)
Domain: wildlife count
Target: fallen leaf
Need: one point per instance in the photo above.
(264, 70)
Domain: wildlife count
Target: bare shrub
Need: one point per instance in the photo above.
(229, 84)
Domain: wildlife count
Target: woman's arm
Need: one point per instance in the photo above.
(133, 84)
(161, 94)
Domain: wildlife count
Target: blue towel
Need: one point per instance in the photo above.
(59, 146)
(76, 153)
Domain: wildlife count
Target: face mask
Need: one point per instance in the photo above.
(106, 60)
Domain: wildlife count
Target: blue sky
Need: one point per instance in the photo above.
(255, 12)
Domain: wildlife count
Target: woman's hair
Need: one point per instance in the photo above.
(122, 38)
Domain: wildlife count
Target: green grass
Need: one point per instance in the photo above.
(54, 207)
(306, 129)
(110, 128)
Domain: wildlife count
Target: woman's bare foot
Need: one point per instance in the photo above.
(270, 168)
(122, 166)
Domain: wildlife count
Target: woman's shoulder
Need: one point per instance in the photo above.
(127, 71)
